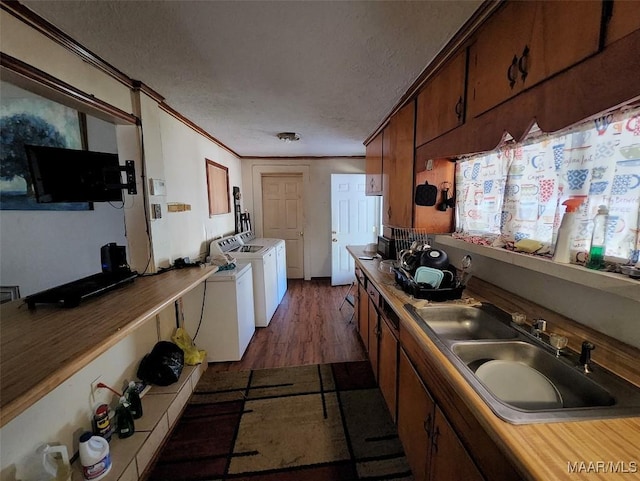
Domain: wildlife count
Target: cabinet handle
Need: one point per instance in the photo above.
(523, 63)
(459, 109)
(512, 73)
(434, 441)
(389, 213)
(377, 329)
(427, 426)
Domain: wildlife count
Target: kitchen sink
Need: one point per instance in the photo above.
(465, 322)
(575, 389)
(518, 376)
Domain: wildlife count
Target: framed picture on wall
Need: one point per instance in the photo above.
(217, 188)
(27, 118)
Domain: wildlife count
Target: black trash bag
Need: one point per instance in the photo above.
(163, 365)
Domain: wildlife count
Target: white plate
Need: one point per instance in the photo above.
(519, 385)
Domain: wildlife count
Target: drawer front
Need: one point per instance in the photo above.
(373, 294)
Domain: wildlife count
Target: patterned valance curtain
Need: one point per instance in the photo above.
(517, 191)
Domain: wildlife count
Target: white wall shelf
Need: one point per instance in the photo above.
(616, 284)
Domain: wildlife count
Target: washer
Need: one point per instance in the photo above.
(265, 281)
(226, 324)
(249, 238)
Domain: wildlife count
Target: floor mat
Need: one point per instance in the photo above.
(317, 422)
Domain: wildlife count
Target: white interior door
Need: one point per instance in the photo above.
(282, 217)
(354, 221)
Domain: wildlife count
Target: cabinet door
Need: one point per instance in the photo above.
(388, 366)
(374, 330)
(441, 103)
(363, 316)
(373, 169)
(625, 19)
(397, 168)
(415, 419)
(527, 42)
(450, 459)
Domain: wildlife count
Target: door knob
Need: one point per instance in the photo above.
(334, 240)
(301, 233)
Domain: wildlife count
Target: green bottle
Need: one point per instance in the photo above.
(124, 419)
(135, 404)
(598, 239)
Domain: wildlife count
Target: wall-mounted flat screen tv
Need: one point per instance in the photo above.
(66, 175)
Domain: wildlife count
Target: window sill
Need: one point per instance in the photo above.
(609, 282)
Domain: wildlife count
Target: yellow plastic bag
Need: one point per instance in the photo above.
(192, 355)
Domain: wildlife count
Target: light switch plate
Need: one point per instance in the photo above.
(157, 187)
(156, 211)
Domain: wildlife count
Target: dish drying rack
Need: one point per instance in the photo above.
(404, 237)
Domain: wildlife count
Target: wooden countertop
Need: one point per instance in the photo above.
(43, 347)
(538, 451)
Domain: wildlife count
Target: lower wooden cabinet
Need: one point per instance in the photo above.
(449, 458)
(415, 419)
(388, 365)
(363, 315)
(374, 335)
(432, 447)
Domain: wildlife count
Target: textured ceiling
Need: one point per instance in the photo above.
(245, 70)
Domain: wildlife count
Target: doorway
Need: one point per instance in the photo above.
(355, 220)
(283, 217)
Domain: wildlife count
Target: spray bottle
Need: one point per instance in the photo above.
(562, 251)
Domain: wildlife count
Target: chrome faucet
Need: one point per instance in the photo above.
(538, 326)
(585, 356)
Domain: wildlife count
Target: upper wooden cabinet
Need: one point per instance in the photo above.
(441, 103)
(397, 168)
(625, 19)
(525, 43)
(373, 167)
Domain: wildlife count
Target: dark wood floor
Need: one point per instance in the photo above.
(307, 328)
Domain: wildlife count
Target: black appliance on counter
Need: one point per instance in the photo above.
(387, 247)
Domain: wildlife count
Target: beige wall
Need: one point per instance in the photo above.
(317, 201)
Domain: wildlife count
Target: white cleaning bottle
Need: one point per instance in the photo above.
(562, 250)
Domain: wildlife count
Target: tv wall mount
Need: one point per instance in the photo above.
(130, 171)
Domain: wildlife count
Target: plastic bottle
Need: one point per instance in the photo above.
(598, 239)
(48, 463)
(95, 457)
(562, 250)
(135, 404)
(124, 419)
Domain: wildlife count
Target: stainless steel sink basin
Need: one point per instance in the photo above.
(464, 322)
(576, 389)
(475, 339)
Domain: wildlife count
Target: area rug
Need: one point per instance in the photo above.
(313, 423)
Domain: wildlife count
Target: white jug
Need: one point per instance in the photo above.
(49, 463)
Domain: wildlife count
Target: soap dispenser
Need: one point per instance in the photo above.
(598, 239)
(562, 250)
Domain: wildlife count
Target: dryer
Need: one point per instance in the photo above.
(249, 238)
(264, 267)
